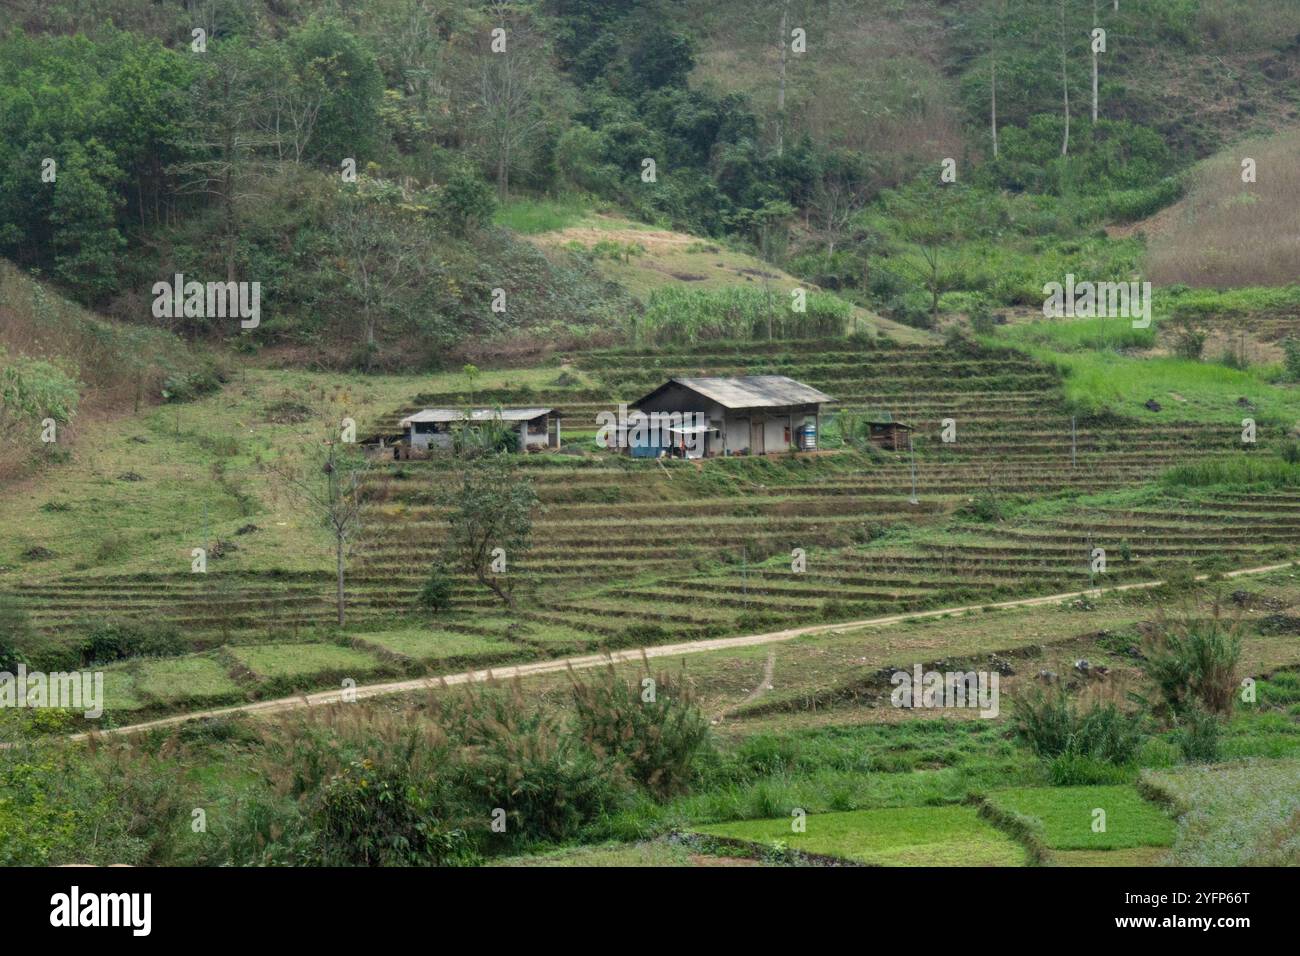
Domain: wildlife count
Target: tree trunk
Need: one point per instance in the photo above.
(780, 94)
(1094, 63)
(1065, 87)
(340, 597)
(993, 69)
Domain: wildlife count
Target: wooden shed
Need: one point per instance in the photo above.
(885, 432)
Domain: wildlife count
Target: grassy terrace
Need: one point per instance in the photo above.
(626, 552)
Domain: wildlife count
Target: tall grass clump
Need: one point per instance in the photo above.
(1081, 744)
(1232, 234)
(464, 776)
(1193, 663)
(1240, 472)
(649, 727)
(679, 316)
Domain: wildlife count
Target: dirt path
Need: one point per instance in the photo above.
(326, 698)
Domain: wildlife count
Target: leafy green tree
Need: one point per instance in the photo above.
(467, 202)
(492, 509)
(335, 62)
(87, 243)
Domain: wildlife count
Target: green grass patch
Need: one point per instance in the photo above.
(1101, 381)
(900, 836)
(1064, 817)
(302, 660)
(1239, 472)
(426, 645)
(185, 678)
(653, 853)
(533, 216)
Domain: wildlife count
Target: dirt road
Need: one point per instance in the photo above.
(326, 698)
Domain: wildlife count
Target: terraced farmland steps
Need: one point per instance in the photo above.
(364, 691)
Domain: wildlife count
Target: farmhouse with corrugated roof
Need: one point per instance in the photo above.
(747, 415)
(433, 427)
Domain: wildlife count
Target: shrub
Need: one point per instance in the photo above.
(15, 631)
(384, 810)
(1195, 662)
(1053, 726)
(523, 762)
(1197, 734)
(1189, 337)
(1291, 346)
(112, 641)
(435, 595)
(650, 728)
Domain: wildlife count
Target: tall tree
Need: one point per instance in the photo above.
(1095, 24)
(491, 523)
(1065, 85)
(379, 232)
(224, 139)
(780, 93)
(511, 78)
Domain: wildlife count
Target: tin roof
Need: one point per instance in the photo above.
(748, 391)
(477, 414)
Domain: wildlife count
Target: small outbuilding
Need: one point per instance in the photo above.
(433, 428)
(749, 415)
(884, 432)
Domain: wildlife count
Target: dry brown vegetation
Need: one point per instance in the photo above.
(1227, 233)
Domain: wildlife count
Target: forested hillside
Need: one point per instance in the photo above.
(218, 140)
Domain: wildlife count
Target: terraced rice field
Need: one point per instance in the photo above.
(636, 552)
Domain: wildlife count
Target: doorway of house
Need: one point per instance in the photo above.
(756, 443)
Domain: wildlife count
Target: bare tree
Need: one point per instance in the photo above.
(291, 107)
(512, 82)
(328, 479)
(993, 101)
(1095, 23)
(1065, 86)
(780, 92)
(837, 199)
(381, 254)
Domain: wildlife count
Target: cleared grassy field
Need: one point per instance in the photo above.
(1067, 818)
(433, 645)
(905, 836)
(303, 660)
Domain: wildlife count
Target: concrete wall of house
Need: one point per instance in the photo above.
(774, 429)
(427, 440)
(737, 434)
(734, 426)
